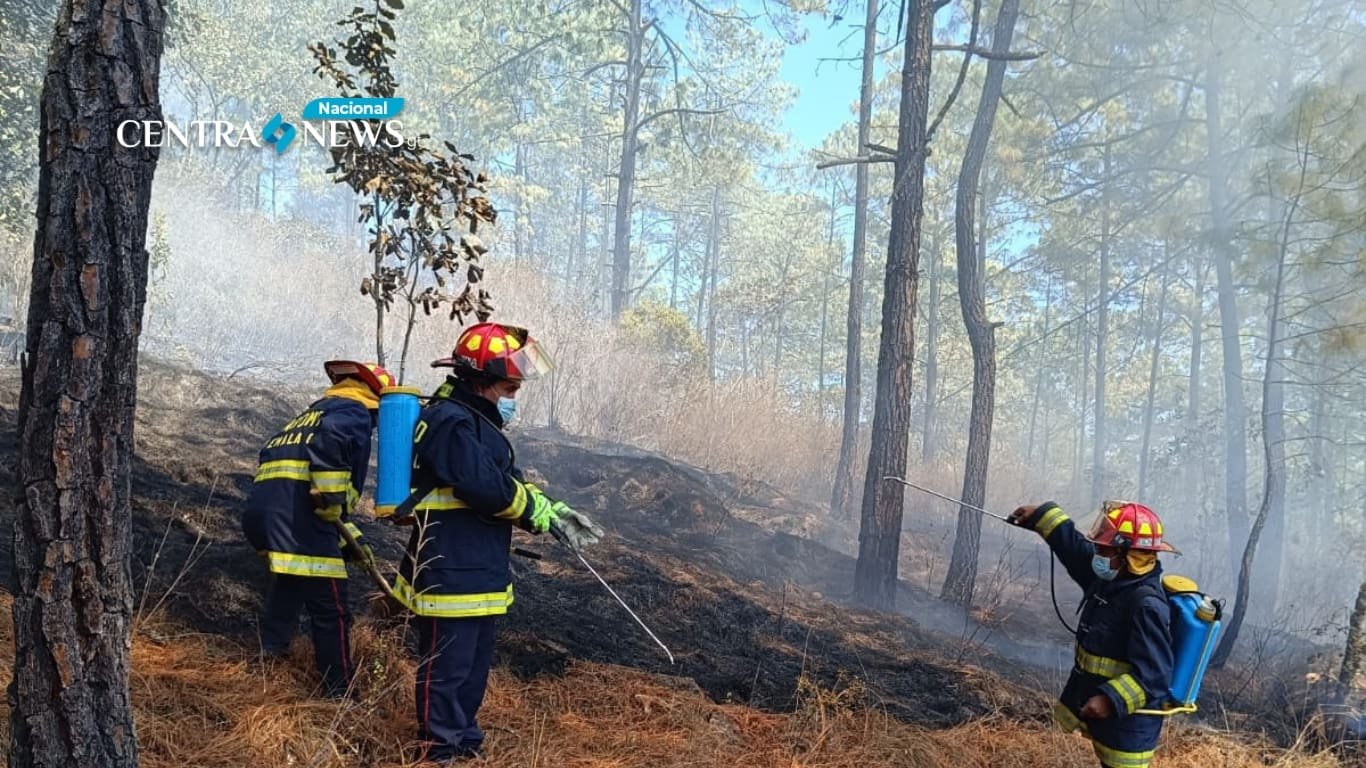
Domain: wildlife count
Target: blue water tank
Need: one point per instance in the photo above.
(1195, 632)
(398, 411)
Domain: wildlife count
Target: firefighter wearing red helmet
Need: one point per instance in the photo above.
(1123, 657)
(468, 495)
(308, 479)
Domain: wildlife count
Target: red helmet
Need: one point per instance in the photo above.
(500, 351)
(1128, 525)
(373, 376)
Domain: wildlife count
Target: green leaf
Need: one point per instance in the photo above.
(395, 4)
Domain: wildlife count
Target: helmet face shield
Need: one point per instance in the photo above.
(529, 362)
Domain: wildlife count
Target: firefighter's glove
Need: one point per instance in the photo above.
(540, 511)
(330, 514)
(361, 552)
(1022, 514)
(574, 528)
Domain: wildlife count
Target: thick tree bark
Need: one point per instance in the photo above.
(842, 495)
(880, 526)
(962, 574)
(1235, 435)
(626, 168)
(73, 599)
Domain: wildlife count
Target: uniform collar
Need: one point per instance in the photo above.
(460, 392)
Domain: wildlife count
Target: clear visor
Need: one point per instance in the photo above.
(532, 361)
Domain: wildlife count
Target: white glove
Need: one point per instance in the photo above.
(574, 528)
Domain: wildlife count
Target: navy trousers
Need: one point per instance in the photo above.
(328, 619)
(452, 674)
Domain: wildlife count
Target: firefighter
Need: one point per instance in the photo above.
(308, 480)
(468, 494)
(1123, 657)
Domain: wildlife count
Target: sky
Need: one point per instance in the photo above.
(827, 91)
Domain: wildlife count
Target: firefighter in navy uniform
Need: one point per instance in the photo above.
(1123, 658)
(308, 479)
(468, 493)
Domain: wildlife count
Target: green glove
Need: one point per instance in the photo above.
(540, 512)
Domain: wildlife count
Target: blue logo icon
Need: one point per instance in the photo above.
(278, 133)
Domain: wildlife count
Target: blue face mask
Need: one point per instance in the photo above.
(507, 408)
(1103, 570)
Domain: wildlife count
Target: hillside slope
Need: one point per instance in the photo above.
(769, 671)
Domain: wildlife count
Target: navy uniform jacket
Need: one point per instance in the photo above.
(1124, 648)
(456, 564)
(325, 449)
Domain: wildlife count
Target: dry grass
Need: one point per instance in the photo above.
(203, 701)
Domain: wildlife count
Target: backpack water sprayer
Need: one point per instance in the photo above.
(399, 408)
(1196, 621)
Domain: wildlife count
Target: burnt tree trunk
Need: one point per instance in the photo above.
(962, 574)
(626, 169)
(842, 495)
(1355, 649)
(880, 525)
(73, 598)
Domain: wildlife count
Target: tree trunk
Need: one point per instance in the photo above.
(962, 574)
(1038, 378)
(842, 494)
(1195, 436)
(825, 302)
(880, 528)
(714, 260)
(1098, 437)
(1355, 649)
(73, 591)
(626, 173)
(928, 442)
(1145, 458)
(1235, 435)
(1273, 444)
(1084, 374)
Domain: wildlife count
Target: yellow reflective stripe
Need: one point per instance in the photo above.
(1050, 521)
(452, 606)
(306, 565)
(1064, 718)
(1100, 665)
(332, 481)
(441, 498)
(1129, 690)
(283, 469)
(518, 505)
(1116, 758)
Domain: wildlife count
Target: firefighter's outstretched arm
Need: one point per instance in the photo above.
(1056, 528)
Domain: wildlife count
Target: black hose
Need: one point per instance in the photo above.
(1053, 590)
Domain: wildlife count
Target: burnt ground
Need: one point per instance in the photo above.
(710, 561)
(745, 610)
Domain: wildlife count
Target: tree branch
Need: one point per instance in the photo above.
(854, 161)
(962, 71)
(987, 54)
(674, 111)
